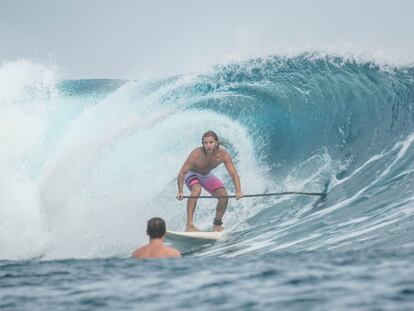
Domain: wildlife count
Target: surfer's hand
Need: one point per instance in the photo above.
(180, 196)
(239, 195)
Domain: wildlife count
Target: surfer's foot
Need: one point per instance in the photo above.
(191, 229)
(218, 228)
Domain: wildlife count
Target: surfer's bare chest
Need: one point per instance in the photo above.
(204, 164)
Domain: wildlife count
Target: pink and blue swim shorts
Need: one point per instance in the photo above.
(209, 182)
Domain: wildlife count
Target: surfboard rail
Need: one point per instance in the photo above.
(197, 235)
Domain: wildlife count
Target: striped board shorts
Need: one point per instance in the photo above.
(209, 182)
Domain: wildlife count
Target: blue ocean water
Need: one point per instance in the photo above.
(85, 163)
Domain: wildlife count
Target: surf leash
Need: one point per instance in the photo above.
(255, 195)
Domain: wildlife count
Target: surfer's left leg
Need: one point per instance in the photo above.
(220, 209)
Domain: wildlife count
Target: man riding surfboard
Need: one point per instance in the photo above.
(196, 173)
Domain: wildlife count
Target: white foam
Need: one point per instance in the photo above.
(27, 97)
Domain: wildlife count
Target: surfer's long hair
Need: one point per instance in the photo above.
(210, 134)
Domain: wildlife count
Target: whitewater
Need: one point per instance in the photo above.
(85, 163)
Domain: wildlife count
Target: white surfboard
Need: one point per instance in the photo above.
(197, 235)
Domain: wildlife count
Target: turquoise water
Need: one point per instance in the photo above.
(85, 163)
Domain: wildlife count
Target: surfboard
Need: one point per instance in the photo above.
(198, 235)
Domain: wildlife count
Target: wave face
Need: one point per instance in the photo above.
(87, 162)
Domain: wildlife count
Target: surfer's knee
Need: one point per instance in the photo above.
(195, 190)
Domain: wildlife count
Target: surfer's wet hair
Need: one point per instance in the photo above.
(156, 228)
(210, 134)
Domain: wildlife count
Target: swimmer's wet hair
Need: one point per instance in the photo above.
(156, 228)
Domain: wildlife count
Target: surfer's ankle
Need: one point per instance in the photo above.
(217, 228)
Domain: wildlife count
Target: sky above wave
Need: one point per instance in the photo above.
(138, 39)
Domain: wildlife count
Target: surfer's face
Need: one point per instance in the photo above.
(209, 144)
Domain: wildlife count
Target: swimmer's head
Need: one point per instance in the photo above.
(156, 228)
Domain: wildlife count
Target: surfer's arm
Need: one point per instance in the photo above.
(180, 178)
(228, 163)
(188, 164)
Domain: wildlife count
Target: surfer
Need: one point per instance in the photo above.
(155, 248)
(196, 173)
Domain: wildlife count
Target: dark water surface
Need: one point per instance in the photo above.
(365, 280)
